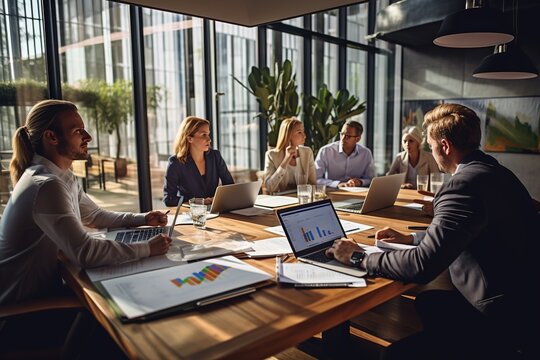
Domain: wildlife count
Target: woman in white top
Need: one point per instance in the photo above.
(414, 161)
(290, 163)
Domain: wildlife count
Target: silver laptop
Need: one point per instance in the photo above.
(143, 233)
(235, 196)
(382, 193)
(311, 229)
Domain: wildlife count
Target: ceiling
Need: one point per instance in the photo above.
(244, 12)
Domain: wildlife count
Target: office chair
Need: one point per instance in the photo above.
(25, 312)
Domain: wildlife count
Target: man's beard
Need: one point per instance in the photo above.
(63, 149)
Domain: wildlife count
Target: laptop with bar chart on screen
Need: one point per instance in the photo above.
(311, 229)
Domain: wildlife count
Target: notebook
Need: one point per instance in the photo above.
(311, 229)
(382, 193)
(235, 196)
(143, 233)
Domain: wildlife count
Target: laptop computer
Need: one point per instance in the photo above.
(311, 229)
(235, 196)
(382, 193)
(129, 236)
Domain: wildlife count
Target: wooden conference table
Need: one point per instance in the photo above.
(260, 324)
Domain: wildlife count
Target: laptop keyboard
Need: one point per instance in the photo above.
(132, 236)
(353, 208)
(318, 256)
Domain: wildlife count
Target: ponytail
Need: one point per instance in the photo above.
(27, 139)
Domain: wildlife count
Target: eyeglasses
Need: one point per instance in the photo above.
(347, 136)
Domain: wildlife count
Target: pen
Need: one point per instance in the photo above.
(371, 236)
(278, 268)
(352, 229)
(322, 285)
(168, 211)
(417, 227)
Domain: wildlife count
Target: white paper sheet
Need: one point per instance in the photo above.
(185, 218)
(275, 201)
(354, 189)
(302, 273)
(143, 293)
(348, 226)
(392, 246)
(269, 247)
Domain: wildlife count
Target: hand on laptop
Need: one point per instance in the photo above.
(392, 236)
(156, 218)
(159, 244)
(352, 182)
(208, 201)
(342, 249)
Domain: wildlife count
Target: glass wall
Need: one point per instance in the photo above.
(23, 75)
(174, 58)
(188, 62)
(237, 126)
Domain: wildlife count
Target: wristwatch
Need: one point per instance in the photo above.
(356, 259)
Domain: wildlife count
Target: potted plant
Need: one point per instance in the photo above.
(325, 115)
(276, 95)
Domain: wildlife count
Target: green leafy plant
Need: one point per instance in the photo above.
(325, 115)
(276, 94)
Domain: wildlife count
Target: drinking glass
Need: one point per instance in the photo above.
(422, 182)
(198, 210)
(304, 194)
(319, 192)
(436, 181)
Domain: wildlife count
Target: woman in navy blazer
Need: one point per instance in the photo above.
(195, 169)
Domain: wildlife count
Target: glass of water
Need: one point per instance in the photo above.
(319, 192)
(436, 181)
(422, 182)
(304, 193)
(198, 210)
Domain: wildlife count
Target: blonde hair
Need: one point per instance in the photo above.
(456, 123)
(285, 130)
(27, 139)
(413, 132)
(188, 128)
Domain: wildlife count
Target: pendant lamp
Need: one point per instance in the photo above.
(508, 62)
(474, 27)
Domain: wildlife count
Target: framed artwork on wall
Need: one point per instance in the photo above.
(508, 124)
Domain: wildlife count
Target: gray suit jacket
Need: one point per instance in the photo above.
(485, 230)
(426, 164)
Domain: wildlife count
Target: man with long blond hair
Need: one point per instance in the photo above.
(48, 209)
(195, 169)
(485, 232)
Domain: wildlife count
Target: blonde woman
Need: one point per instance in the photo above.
(195, 169)
(414, 161)
(290, 163)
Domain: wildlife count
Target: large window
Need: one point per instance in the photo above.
(174, 58)
(23, 75)
(237, 126)
(191, 67)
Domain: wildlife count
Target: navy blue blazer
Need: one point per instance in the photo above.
(185, 179)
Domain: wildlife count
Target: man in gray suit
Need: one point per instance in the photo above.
(485, 231)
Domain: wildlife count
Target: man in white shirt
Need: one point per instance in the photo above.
(345, 163)
(48, 209)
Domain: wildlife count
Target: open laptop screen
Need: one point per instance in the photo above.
(311, 226)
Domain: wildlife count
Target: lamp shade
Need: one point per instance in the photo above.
(474, 28)
(508, 62)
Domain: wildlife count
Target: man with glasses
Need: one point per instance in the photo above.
(345, 163)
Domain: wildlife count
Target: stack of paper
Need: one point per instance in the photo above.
(306, 275)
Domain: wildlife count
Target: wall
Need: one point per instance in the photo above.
(434, 73)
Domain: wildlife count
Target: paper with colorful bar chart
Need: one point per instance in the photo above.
(150, 292)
